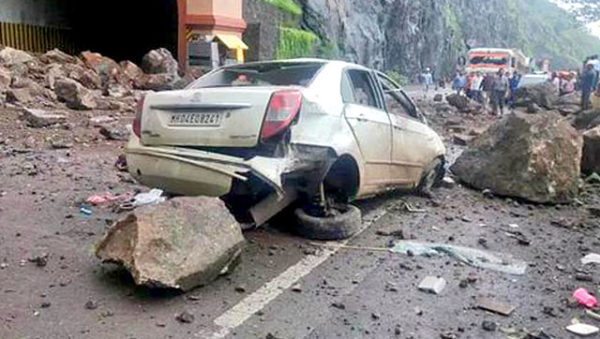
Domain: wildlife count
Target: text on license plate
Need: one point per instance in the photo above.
(196, 119)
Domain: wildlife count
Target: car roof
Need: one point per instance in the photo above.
(335, 63)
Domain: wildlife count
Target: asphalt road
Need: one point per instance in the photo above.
(286, 286)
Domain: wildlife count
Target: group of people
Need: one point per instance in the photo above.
(497, 90)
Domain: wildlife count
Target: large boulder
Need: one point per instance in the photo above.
(5, 79)
(160, 61)
(533, 157)
(158, 82)
(102, 65)
(133, 74)
(590, 162)
(587, 119)
(182, 243)
(544, 95)
(10, 56)
(57, 56)
(74, 94)
(459, 101)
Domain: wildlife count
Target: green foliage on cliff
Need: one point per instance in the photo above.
(288, 6)
(295, 43)
(546, 31)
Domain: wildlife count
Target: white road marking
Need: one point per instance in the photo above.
(247, 307)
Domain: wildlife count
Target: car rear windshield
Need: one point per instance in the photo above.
(254, 75)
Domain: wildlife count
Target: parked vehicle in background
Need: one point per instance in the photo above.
(266, 135)
(528, 80)
(491, 60)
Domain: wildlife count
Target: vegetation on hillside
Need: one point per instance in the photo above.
(288, 6)
(547, 31)
(295, 43)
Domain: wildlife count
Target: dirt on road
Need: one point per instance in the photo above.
(52, 286)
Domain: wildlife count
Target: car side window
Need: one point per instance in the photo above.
(361, 88)
(396, 101)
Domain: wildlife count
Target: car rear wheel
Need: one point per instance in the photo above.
(339, 222)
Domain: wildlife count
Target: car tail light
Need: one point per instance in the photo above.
(284, 107)
(137, 122)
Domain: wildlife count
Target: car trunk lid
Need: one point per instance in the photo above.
(207, 117)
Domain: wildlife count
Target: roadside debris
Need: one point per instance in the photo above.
(185, 317)
(151, 198)
(105, 198)
(470, 256)
(533, 157)
(489, 326)
(495, 306)
(584, 298)
(40, 260)
(434, 285)
(591, 258)
(592, 314)
(182, 243)
(583, 330)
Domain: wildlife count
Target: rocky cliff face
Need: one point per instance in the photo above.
(409, 35)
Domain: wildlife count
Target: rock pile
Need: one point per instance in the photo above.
(89, 81)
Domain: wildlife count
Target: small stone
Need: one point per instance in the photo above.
(463, 283)
(489, 326)
(432, 284)
(45, 304)
(91, 305)
(185, 317)
(240, 289)
(40, 261)
(297, 289)
(375, 316)
(466, 219)
(448, 182)
(584, 277)
(338, 305)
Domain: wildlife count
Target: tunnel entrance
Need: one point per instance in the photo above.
(123, 29)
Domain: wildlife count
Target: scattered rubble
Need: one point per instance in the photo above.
(38, 118)
(533, 157)
(434, 285)
(495, 306)
(583, 329)
(181, 244)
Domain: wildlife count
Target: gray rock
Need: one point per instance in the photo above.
(438, 98)
(544, 95)
(40, 118)
(10, 56)
(432, 284)
(74, 94)
(115, 132)
(182, 243)
(160, 61)
(533, 157)
(587, 119)
(591, 151)
(533, 108)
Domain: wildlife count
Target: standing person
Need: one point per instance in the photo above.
(475, 89)
(513, 85)
(427, 80)
(588, 78)
(487, 87)
(500, 87)
(555, 80)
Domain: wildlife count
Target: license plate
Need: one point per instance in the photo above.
(196, 119)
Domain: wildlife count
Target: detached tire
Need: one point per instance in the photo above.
(341, 226)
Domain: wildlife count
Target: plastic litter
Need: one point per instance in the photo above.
(85, 210)
(473, 257)
(592, 258)
(151, 198)
(583, 329)
(585, 298)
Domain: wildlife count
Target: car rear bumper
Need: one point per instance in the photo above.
(194, 172)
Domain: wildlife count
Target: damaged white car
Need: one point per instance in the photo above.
(314, 134)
